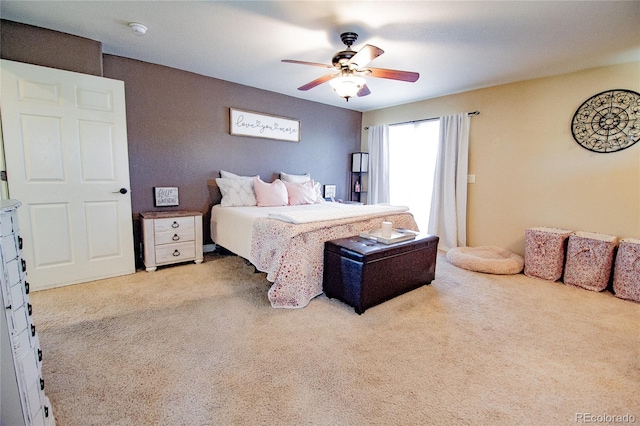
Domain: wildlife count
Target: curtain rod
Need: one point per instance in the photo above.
(424, 119)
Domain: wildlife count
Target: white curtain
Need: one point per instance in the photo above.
(378, 142)
(448, 217)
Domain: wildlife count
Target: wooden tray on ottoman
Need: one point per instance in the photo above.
(363, 273)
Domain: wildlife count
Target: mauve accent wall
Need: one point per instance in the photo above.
(48, 48)
(178, 131)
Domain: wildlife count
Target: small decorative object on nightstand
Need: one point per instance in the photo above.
(329, 192)
(171, 237)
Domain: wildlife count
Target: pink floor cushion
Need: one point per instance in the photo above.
(486, 259)
(589, 260)
(544, 252)
(626, 272)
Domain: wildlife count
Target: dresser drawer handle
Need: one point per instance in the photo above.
(176, 253)
(175, 237)
(175, 224)
(24, 265)
(46, 411)
(33, 330)
(41, 384)
(40, 355)
(26, 287)
(29, 309)
(20, 243)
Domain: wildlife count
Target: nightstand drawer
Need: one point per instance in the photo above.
(175, 252)
(183, 225)
(174, 236)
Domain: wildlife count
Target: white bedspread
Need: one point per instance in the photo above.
(334, 211)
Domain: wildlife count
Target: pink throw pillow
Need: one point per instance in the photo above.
(301, 193)
(270, 194)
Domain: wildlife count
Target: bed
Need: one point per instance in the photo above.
(287, 242)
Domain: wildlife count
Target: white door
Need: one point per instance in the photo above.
(65, 143)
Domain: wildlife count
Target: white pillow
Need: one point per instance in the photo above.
(301, 193)
(225, 174)
(270, 194)
(286, 177)
(318, 188)
(236, 192)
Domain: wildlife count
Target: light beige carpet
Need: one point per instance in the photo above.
(200, 345)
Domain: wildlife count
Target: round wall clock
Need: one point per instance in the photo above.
(608, 121)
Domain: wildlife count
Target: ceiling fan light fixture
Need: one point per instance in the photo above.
(351, 66)
(347, 86)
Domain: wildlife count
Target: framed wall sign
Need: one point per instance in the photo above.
(166, 196)
(254, 124)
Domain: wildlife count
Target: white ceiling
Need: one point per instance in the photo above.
(455, 46)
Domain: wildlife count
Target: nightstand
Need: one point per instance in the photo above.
(171, 237)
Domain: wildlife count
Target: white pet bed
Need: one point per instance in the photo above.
(486, 259)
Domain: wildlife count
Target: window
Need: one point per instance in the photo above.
(413, 149)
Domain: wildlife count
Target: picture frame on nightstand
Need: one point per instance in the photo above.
(166, 196)
(329, 191)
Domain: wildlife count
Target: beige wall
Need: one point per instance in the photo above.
(529, 170)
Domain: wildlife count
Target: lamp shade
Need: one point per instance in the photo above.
(347, 86)
(360, 162)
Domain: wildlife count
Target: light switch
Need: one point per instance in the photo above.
(471, 178)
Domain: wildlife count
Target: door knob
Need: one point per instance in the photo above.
(122, 191)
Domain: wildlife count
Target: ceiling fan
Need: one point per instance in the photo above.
(351, 67)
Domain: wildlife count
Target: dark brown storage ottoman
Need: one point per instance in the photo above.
(363, 273)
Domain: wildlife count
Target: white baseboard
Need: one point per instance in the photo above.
(209, 248)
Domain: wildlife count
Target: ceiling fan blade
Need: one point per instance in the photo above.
(365, 55)
(364, 91)
(315, 64)
(316, 82)
(394, 74)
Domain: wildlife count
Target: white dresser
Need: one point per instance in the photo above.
(171, 237)
(23, 400)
